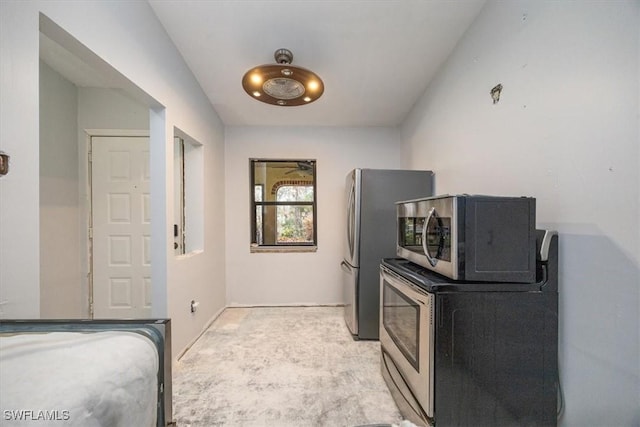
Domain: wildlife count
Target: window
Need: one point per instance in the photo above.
(283, 204)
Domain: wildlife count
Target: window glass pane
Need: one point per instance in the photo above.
(260, 179)
(257, 196)
(295, 193)
(259, 226)
(294, 224)
(265, 225)
(400, 317)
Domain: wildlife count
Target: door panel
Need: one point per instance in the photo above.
(121, 259)
(350, 288)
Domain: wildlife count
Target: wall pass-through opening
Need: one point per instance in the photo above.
(188, 194)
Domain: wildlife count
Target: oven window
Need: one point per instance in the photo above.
(401, 319)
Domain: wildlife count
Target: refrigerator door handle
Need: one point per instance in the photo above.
(350, 221)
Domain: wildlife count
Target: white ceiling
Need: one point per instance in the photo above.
(375, 57)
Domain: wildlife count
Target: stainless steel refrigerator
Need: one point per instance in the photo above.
(371, 235)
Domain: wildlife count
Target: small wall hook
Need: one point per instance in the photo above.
(194, 305)
(495, 93)
(4, 164)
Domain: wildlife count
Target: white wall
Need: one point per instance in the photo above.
(61, 293)
(293, 278)
(100, 108)
(565, 131)
(19, 190)
(130, 39)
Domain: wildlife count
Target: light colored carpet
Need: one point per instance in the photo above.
(281, 367)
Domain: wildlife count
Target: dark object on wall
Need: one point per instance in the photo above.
(495, 93)
(4, 164)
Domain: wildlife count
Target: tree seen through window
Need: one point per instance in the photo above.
(294, 223)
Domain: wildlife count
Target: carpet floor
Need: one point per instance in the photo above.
(281, 367)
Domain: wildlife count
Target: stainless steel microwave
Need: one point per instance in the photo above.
(470, 237)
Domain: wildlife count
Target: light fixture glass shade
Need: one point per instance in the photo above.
(283, 84)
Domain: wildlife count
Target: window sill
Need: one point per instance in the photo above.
(191, 254)
(282, 249)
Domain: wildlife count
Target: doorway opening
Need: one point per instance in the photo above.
(79, 93)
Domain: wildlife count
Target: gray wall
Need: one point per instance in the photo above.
(566, 132)
(293, 278)
(60, 254)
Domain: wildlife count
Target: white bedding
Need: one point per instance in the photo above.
(78, 379)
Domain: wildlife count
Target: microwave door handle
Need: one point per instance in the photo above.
(432, 214)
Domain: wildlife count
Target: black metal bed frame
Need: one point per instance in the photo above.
(157, 330)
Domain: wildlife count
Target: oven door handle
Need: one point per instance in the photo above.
(403, 285)
(432, 214)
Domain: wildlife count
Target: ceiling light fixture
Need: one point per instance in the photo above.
(283, 84)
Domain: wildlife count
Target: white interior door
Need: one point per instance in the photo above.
(121, 227)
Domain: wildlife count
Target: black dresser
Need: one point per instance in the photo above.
(494, 348)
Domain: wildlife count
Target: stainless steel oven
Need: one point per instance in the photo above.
(406, 338)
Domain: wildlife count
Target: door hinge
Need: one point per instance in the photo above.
(90, 233)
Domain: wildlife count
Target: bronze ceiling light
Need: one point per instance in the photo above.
(282, 84)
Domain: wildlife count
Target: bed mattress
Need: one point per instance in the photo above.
(107, 378)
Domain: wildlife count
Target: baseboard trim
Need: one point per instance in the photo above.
(204, 329)
(302, 304)
(219, 312)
